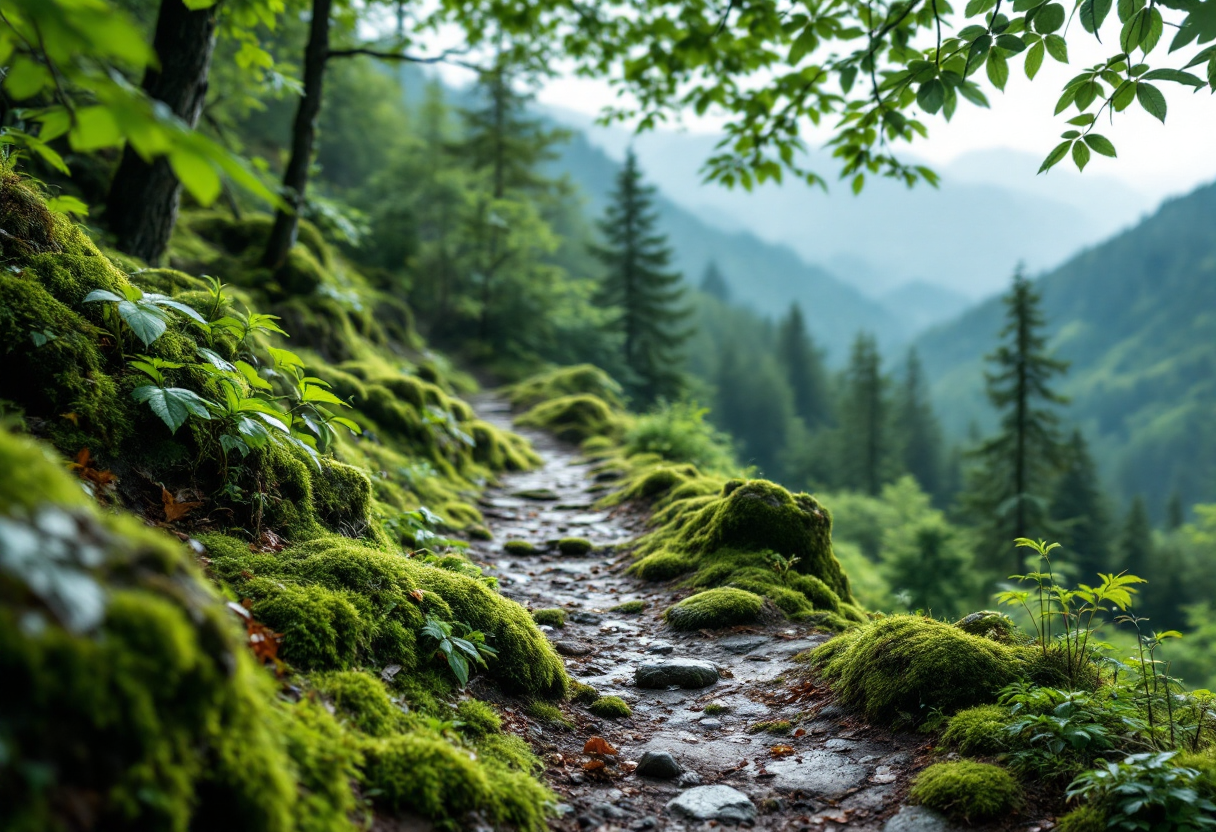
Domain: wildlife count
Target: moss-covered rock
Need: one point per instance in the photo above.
(722, 607)
(574, 546)
(581, 379)
(583, 694)
(982, 730)
(967, 790)
(772, 726)
(518, 547)
(610, 707)
(902, 668)
(574, 418)
(991, 625)
(553, 617)
(662, 566)
(1084, 819)
(629, 607)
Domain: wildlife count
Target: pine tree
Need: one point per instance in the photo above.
(648, 297)
(1136, 550)
(865, 432)
(714, 284)
(803, 366)
(1008, 490)
(754, 405)
(1175, 514)
(920, 434)
(1078, 510)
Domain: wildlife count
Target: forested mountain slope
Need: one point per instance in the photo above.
(1136, 316)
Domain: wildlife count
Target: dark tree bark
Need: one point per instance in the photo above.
(303, 138)
(142, 206)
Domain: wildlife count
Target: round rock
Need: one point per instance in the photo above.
(572, 648)
(659, 764)
(720, 803)
(685, 673)
(661, 648)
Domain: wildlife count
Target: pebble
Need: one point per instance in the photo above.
(572, 648)
(742, 643)
(607, 810)
(584, 617)
(711, 724)
(821, 774)
(659, 764)
(684, 673)
(661, 648)
(720, 803)
(689, 779)
(917, 819)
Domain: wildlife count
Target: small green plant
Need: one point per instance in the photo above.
(783, 566)
(715, 708)
(678, 431)
(548, 714)
(460, 645)
(1145, 792)
(174, 405)
(583, 694)
(144, 313)
(1060, 732)
(421, 527)
(772, 726)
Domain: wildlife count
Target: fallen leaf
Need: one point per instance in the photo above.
(598, 745)
(800, 732)
(175, 510)
(416, 594)
(781, 750)
(593, 765)
(84, 468)
(71, 417)
(270, 542)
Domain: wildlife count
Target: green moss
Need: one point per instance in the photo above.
(775, 726)
(662, 566)
(967, 790)
(629, 607)
(574, 418)
(547, 714)
(362, 699)
(325, 762)
(610, 707)
(554, 617)
(566, 381)
(1084, 819)
(715, 708)
(980, 730)
(901, 668)
(479, 719)
(991, 625)
(584, 694)
(574, 546)
(424, 774)
(519, 548)
(499, 450)
(722, 607)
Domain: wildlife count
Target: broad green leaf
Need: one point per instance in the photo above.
(174, 405)
(1124, 96)
(977, 54)
(312, 393)
(1053, 158)
(1176, 75)
(349, 424)
(1034, 60)
(196, 174)
(102, 295)
(1080, 154)
(1049, 18)
(1057, 47)
(67, 205)
(1151, 100)
(931, 95)
(998, 70)
(215, 359)
(251, 376)
(1093, 13)
(975, 7)
(95, 128)
(146, 321)
(1011, 43)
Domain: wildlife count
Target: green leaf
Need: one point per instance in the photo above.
(98, 295)
(931, 95)
(1053, 158)
(1080, 155)
(1124, 96)
(1057, 48)
(1034, 60)
(67, 205)
(1011, 43)
(1093, 13)
(998, 70)
(1049, 18)
(1176, 75)
(251, 376)
(978, 53)
(975, 7)
(196, 174)
(95, 128)
(313, 393)
(174, 405)
(1152, 101)
(1100, 144)
(146, 321)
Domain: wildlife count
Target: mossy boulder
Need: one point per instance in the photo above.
(581, 379)
(629, 607)
(1084, 819)
(574, 418)
(968, 791)
(902, 668)
(982, 730)
(721, 607)
(574, 546)
(991, 625)
(518, 547)
(610, 707)
(554, 617)
(662, 566)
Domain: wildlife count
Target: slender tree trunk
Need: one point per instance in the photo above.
(1021, 450)
(303, 137)
(142, 206)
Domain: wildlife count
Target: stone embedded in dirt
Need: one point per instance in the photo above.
(711, 724)
(918, 819)
(684, 673)
(572, 648)
(661, 648)
(584, 617)
(659, 764)
(689, 779)
(607, 810)
(741, 644)
(819, 774)
(720, 803)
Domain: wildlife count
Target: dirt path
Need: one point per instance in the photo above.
(831, 772)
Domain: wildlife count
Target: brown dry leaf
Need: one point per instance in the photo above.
(801, 732)
(84, 468)
(593, 765)
(175, 510)
(781, 750)
(416, 594)
(598, 745)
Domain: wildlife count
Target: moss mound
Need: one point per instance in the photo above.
(991, 625)
(967, 790)
(662, 566)
(610, 707)
(574, 546)
(574, 418)
(1084, 819)
(899, 669)
(722, 607)
(518, 547)
(583, 694)
(629, 607)
(982, 730)
(580, 379)
(553, 617)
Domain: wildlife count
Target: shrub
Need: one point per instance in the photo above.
(967, 790)
(554, 617)
(1083, 819)
(722, 607)
(678, 432)
(574, 546)
(610, 707)
(1147, 791)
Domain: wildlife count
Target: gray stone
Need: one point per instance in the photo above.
(918, 819)
(834, 744)
(818, 774)
(659, 764)
(685, 673)
(741, 644)
(572, 648)
(607, 810)
(720, 803)
(661, 648)
(689, 779)
(583, 617)
(869, 800)
(711, 724)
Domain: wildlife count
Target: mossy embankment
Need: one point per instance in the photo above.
(153, 711)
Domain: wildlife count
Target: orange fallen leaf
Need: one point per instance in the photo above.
(71, 417)
(86, 470)
(598, 745)
(781, 750)
(800, 732)
(175, 510)
(416, 594)
(593, 765)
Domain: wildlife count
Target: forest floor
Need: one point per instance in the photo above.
(824, 771)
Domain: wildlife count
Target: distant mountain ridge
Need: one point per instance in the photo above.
(1136, 316)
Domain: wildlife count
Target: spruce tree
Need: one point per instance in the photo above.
(920, 434)
(864, 422)
(1136, 550)
(1009, 489)
(803, 366)
(637, 283)
(714, 284)
(1078, 510)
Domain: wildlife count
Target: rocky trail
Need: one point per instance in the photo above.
(724, 729)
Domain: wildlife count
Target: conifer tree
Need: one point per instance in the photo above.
(1010, 486)
(714, 284)
(803, 366)
(920, 434)
(754, 405)
(1136, 550)
(637, 283)
(864, 422)
(1175, 514)
(1078, 510)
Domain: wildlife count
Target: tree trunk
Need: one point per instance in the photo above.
(142, 206)
(303, 137)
